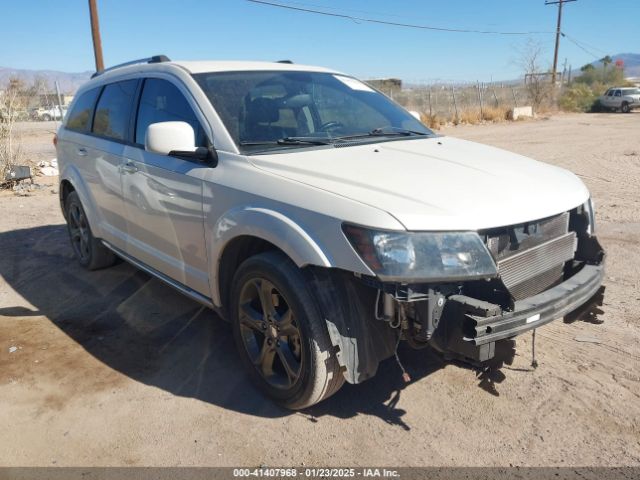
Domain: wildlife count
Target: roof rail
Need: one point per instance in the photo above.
(154, 59)
(284, 61)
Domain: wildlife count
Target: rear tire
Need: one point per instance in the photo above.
(89, 251)
(280, 333)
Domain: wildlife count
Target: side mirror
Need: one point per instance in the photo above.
(415, 114)
(176, 139)
(166, 137)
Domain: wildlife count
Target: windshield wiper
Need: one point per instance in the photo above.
(395, 131)
(303, 140)
(387, 131)
(291, 141)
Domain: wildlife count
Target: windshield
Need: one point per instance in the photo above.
(631, 91)
(265, 110)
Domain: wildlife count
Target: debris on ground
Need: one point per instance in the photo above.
(587, 339)
(17, 173)
(12, 349)
(49, 169)
(22, 189)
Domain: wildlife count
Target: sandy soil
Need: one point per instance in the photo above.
(114, 368)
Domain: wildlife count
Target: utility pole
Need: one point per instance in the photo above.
(558, 31)
(95, 33)
(59, 100)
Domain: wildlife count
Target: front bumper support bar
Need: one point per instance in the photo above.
(489, 326)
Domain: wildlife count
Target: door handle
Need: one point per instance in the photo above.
(128, 167)
(82, 152)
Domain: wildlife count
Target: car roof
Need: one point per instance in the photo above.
(234, 66)
(194, 67)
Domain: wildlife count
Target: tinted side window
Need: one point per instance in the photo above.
(79, 117)
(114, 109)
(618, 94)
(161, 101)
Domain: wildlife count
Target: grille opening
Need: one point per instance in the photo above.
(506, 241)
(531, 256)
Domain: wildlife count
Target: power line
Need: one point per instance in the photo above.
(342, 9)
(577, 44)
(584, 45)
(385, 22)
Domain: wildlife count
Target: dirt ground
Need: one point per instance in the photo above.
(114, 368)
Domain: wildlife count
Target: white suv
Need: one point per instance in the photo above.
(319, 217)
(623, 99)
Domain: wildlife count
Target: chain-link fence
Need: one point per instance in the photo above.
(440, 103)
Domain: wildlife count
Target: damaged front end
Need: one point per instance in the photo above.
(533, 273)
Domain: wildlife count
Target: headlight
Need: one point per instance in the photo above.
(424, 256)
(589, 209)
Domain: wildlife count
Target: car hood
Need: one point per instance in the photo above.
(436, 183)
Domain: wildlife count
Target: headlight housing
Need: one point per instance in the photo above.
(422, 256)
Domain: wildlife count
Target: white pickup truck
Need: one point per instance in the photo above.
(46, 114)
(621, 98)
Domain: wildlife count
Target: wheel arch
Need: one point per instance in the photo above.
(71, 181)
(247, 231)
(346, 305)
(66, 187)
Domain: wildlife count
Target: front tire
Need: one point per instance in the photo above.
(89, 251)
(280, 334)
(625, 107)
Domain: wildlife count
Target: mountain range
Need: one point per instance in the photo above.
(631, 64)
(68, 82)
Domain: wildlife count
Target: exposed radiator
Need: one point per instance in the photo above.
(533, 270)
(531, 256)
(537, 284)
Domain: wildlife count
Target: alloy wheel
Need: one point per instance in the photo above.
(270, 333)
(79, 231)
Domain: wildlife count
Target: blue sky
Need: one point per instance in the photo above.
(47, 34)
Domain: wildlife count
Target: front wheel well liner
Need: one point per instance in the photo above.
(235, 252)
(66, 187)
(346, 305)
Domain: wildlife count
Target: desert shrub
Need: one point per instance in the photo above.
(432, 121)
(605, 75)
(470, 116)
(579, 97)
(495, 114)
(12, 103)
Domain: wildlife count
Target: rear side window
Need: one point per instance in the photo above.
(114, 109)
(161, 101)
(79, 117)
